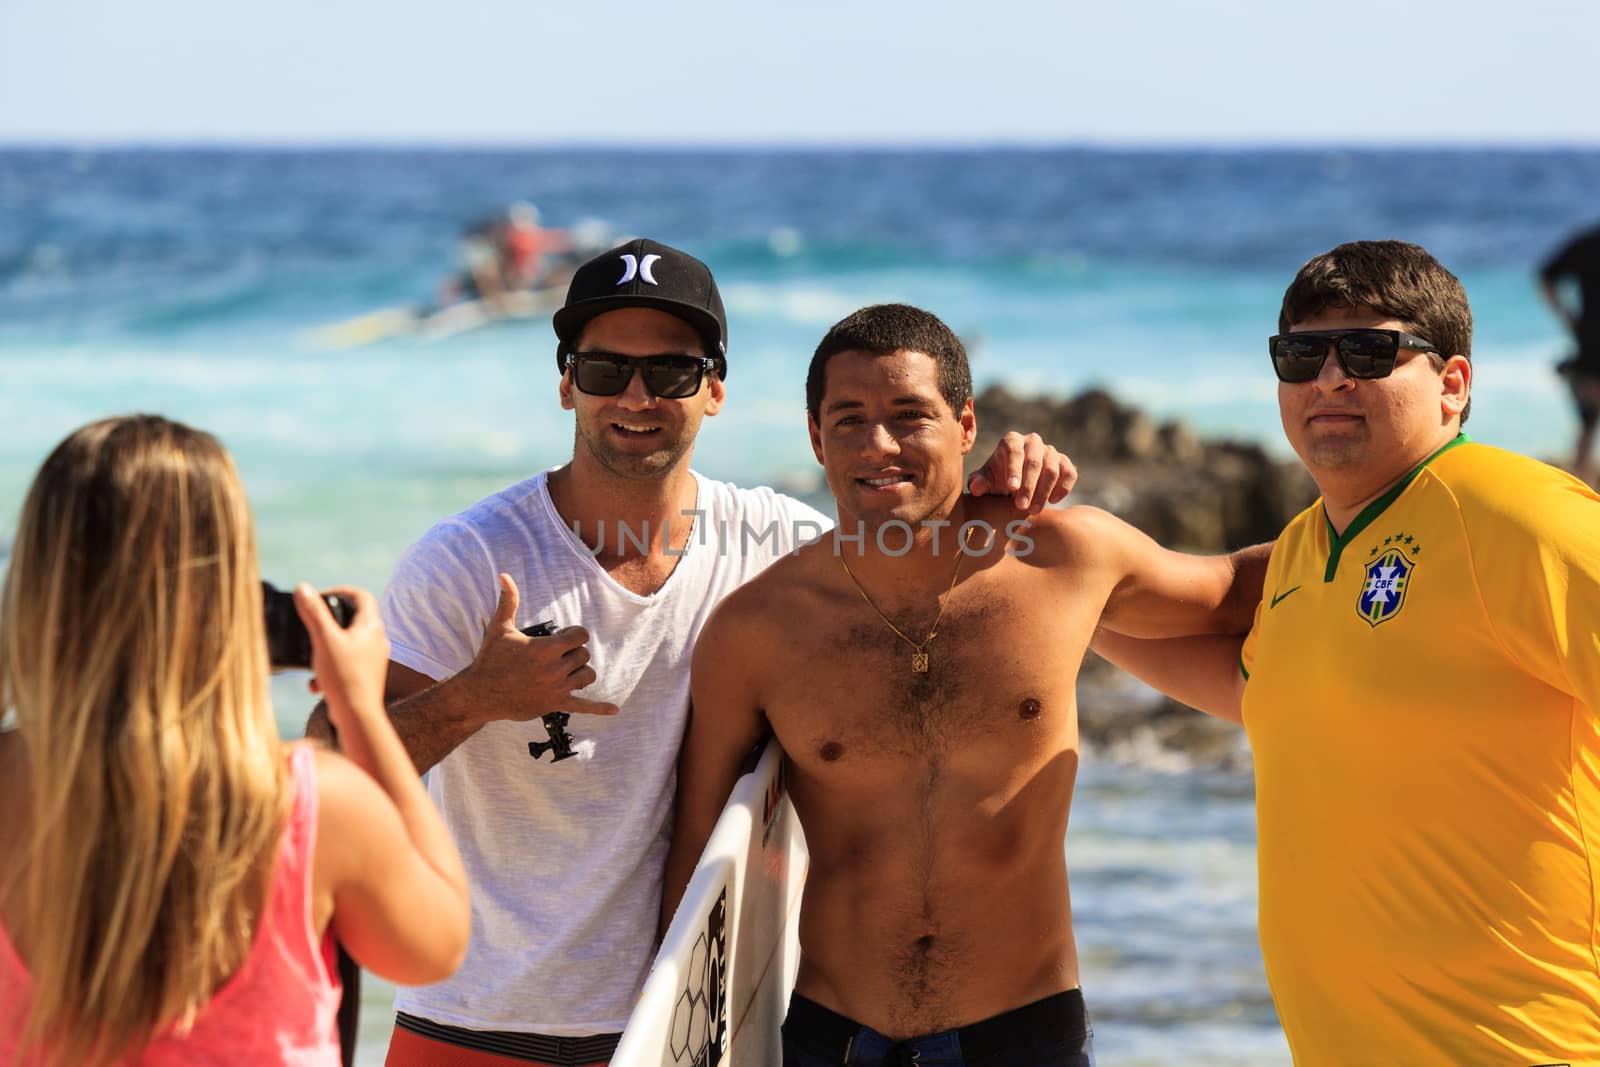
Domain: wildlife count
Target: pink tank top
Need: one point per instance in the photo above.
(279, 1008)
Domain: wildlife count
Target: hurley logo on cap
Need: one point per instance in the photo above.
(634, 267)
(653, 275)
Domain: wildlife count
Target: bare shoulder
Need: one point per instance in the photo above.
(1084, 523)
(342, 787)
(757, 618)
(333, 771)
(773, 593)
(354, 815)
(343, 804)
(1059, 537)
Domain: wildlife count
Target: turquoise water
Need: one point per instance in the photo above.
(192, 283)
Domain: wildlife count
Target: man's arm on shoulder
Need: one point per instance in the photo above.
(1032, 472)
(725, 722)
(1203, 672)
(1174, 620)
(1158, 592)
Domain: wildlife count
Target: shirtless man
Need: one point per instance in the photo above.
(919, 671)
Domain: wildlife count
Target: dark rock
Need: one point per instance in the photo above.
(1186, 492)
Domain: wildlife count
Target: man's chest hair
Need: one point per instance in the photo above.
(992, 671)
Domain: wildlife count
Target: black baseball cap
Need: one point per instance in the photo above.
(646, 273)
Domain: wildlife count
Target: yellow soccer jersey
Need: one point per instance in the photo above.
(1422, 702)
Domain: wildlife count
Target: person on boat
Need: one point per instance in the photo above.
(1421, 694)
(525, 248)
(172, 879)
(478, 260)
(918, 668)
(503, 253)
(564, 823)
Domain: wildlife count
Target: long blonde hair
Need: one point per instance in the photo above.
(133, 654)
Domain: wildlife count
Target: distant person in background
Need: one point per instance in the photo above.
(1421, 690)
(1578, 262)
(504, 253)
(171, 877)
(478, 255)
(524, 247)
(564, 824)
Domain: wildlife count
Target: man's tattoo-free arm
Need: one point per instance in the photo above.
(430, 723)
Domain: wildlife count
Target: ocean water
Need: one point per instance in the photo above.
(193, 283)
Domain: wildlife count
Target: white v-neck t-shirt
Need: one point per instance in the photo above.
(565, 858)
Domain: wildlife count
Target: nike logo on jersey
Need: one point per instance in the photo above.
(1281, 595)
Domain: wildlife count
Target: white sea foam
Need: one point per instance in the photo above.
(801, 303)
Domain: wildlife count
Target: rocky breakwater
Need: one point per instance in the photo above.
(1187, 492)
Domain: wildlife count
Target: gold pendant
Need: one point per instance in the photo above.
(919, 663)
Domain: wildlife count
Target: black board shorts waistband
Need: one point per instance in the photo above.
(1060, 1015)
(536, 1048)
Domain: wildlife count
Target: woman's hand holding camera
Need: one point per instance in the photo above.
(348, 666)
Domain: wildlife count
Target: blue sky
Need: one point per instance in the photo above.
(827, 71)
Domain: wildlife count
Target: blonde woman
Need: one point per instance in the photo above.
(171, 877)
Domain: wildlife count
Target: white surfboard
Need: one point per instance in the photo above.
(458, 318)
(473, 314)
(720, 985)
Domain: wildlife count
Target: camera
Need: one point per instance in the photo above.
(555, 723)
(288, 642)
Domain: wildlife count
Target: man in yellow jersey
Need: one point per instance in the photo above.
(1420, 690)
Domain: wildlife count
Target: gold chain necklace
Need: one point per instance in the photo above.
(919, 654)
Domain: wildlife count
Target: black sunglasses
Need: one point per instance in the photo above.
(1298, 357)
(667, 377)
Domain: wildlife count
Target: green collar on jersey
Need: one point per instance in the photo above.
(1337, 542)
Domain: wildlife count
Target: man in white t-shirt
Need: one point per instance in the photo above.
(563, 823)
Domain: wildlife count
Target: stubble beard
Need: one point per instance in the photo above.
(1335, 454)
(927, 505)
(633, 466)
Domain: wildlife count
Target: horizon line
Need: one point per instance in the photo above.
(689, 145)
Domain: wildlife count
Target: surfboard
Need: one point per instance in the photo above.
(457, 318)
(474, 314)
(366, 329)
(719, 987)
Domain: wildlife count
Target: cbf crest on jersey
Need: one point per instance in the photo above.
(1388, 576)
